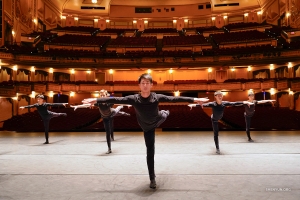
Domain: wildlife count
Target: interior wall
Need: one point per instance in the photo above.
(5, 109)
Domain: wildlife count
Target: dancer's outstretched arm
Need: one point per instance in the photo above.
(81, 106)
(265, 101)
(29, 106)
(123, 105)
(226, 103)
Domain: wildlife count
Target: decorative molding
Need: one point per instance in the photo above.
(13, 12)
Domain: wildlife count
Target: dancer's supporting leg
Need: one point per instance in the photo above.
(112, 129)
(46, 126)
(107, 126)
(215, 126)
(248, 123)
(150, 144)
(46, 121)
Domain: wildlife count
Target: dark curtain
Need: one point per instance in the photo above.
(260, 95)
(60, 98)
(23, 70)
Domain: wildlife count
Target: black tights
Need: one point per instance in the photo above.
(150, 144)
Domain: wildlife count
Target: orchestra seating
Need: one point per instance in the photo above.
(32, 121)
(266, 117)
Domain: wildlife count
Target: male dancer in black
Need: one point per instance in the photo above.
(218, 107)
(46, 115)
(148, 115)
(107, 113)
(249, 111)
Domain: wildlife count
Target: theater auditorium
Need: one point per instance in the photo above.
(149, 99)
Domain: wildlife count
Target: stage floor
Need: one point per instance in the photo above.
(74, 166)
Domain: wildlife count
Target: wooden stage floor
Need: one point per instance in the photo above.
(74, 166)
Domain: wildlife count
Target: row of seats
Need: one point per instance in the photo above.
(89, 29)
(16, 49)
(184, 40)
(134, 42)
(265, 118)
(13, 83)
(117, 31)
(241, 25)
(141, 54)
(189, 81)
(239, 50)
(32, 121)
(254, 35)
(125, 82)
(80, 40)
(160, 30)
(276, 31)
(72, 53)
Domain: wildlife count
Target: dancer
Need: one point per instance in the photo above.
(249, 111)
(218, 110)
(148, 115)
(46, 115)
(107, 113)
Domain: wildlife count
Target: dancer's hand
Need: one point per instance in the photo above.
(64, 104)
(191, 106)
(75, 107)
(90, 101)
(22, 107)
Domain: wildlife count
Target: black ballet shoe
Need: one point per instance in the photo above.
(152, 184)
(47, 142)
(112, 138)
(218, 151)
(250, 140)
(109, 151)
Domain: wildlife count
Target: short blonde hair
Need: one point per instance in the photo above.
(218, 92)
(104, 92)
(250, 93)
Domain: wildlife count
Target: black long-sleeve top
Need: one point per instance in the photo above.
(42, 109)
(218, 109)
(249, 111)
(146, 108)
(105, 109)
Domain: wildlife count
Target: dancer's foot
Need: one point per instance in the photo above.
(218, 151)
(153, 184)
(47, 142)
(112, 138)
(250, 140)
(109, 151)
